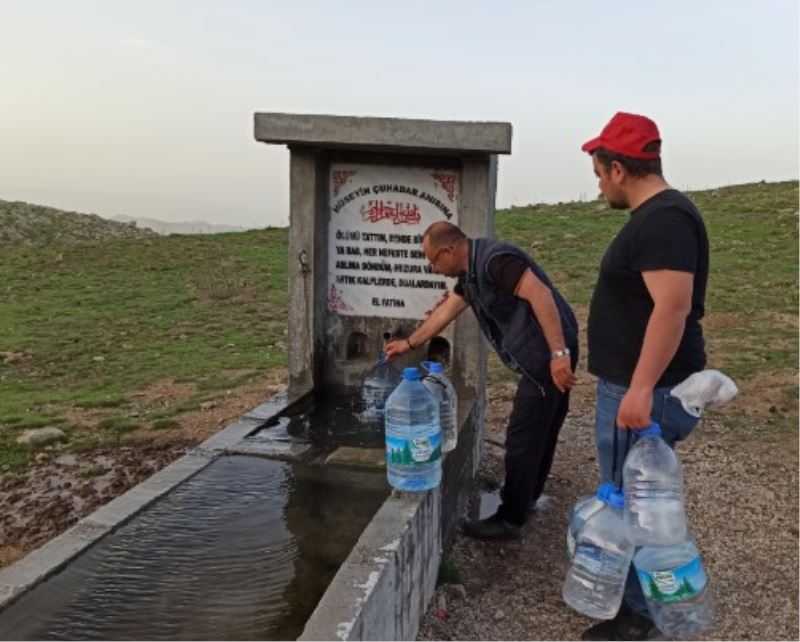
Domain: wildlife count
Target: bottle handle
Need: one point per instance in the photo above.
(654, 425)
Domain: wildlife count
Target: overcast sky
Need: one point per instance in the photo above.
(146, 108)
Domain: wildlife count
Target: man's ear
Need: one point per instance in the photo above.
(617, 171)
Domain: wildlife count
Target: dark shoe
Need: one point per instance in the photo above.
(625, 626)
(491, 528)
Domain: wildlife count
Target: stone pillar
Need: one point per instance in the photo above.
(307, 258)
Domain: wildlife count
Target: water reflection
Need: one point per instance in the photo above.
(327, 421)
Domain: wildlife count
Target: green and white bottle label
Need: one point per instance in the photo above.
(414, 451)
(674, 585)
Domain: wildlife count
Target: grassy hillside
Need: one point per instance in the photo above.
(82, 326)
(752, 297)
(36, 224)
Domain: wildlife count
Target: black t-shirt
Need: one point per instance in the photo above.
(505, 271)
(665, 232)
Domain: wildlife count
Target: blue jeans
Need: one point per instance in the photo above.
(676, 424)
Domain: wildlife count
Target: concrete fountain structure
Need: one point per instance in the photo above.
(363, 190)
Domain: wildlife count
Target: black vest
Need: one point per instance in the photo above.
(508, 321)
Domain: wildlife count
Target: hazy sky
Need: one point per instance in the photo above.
(146, 108)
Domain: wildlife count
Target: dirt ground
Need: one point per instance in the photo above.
(742, 496)
(742, 499)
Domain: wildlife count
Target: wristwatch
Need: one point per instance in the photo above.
(560, 353)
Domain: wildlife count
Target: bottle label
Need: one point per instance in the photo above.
(595, 560)
(414, 451)
(674, 585)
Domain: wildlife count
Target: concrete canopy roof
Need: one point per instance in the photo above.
(384, 134)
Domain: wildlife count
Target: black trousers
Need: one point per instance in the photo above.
(531, 438)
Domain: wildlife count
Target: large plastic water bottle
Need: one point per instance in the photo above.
(413, 436)
(596, 575)
(440, 387)
(675, 585)
(379, 383)
(653, 480)
(584, 508)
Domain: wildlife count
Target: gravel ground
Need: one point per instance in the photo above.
(742, 499)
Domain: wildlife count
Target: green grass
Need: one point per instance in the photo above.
(31, 420)
(16, 456)
(218, 382)
(84, 445)
(164, 422)
(100, 400)
(98, 321)
(117, 424)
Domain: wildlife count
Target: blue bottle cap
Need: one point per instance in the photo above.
(603, 490)
(615, 498)
(434, 366)
(412, 374)
(653, 430)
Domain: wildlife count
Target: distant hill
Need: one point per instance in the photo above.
(36, 224)
(187, 227)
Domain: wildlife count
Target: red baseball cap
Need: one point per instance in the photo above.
(627, 134)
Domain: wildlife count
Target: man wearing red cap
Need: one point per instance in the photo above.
(644, 320)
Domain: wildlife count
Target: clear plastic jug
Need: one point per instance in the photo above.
(653, 481)
(440, 387)
(599, 567)
(584, 508)
(379, 383)
(413, 436)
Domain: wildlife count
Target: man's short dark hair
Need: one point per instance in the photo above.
(638, 167)
(444, 234)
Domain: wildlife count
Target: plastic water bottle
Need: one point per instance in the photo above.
(596, 576)
(413, 436)
(584, 508)
(675, 585)
(379, 383)
(440, 387)
(653, 480)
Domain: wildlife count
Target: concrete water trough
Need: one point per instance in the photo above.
(245, 539)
